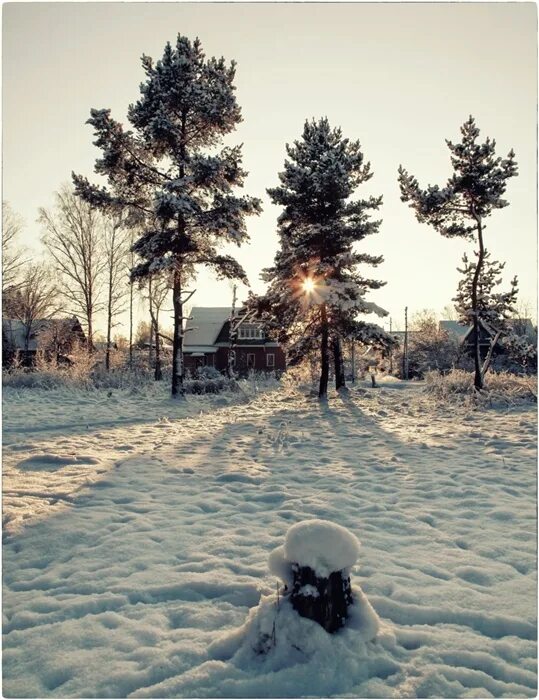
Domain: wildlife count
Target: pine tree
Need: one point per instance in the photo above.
(315, 290)
(459, 209)
(494, 308)
(171, 177)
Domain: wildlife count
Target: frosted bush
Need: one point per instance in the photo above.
(208, 372)
(500, 387)
(298, 378)
(210, 386)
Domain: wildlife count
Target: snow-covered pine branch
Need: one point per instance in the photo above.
(472, 193)
(316, 290)
(166, 171)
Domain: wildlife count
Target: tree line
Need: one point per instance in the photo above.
(171, 202)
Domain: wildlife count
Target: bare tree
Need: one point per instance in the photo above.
(523, 319)
(12, 255)
(74, 238)
(431, 348)
(449, 313)
(35, 299)
(131, 294)
(158, 289)
(116, 249)
(143, 335)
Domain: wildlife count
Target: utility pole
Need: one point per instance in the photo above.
(405, 348)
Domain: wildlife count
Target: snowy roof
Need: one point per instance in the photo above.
(206, 323)
(194, 349)
(453, 328)
(15, 330)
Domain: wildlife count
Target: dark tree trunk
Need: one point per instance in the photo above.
(150, 344)
(177, 344)
(158, 374)
(324, 355)
(478, 378)
(330, 602)
(152, 324)
(340, 379)
(178, 389)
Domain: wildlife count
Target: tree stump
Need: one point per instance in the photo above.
(324, 600)
(315, 563)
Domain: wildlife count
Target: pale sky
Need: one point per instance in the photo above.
(399, 77)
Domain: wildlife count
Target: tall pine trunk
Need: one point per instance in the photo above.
(177, 344)
(478, 378)
(152, 324)
(324, 355)
(340, 378)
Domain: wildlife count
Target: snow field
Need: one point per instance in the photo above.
(147, 581)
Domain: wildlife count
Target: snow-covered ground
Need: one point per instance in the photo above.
(137, 534)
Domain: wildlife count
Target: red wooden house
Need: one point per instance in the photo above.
(208, 344)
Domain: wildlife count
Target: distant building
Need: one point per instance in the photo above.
(54, 335)
(466, 334)
(453, 329)
(208, 343)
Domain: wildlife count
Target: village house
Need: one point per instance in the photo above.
(55, 336)
(207, 343)
(466, 334)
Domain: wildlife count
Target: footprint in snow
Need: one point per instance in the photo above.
(52, 461)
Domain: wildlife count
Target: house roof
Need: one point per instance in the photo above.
(523, 325)
(206, 323)
(199, 349)
(16, 330)
(485, 326)
(453, 328)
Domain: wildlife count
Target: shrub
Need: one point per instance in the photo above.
(500, 387)
(208, 372)
(210, 386)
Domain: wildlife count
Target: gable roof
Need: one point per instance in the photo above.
(453, 328)
(15, 330)
(489, 332)
(206, 323)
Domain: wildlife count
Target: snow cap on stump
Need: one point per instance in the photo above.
(321, 545)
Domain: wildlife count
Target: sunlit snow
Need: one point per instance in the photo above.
(138, 531)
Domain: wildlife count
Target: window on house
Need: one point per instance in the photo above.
(270, 359)
(250, 359)
(250, 331)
